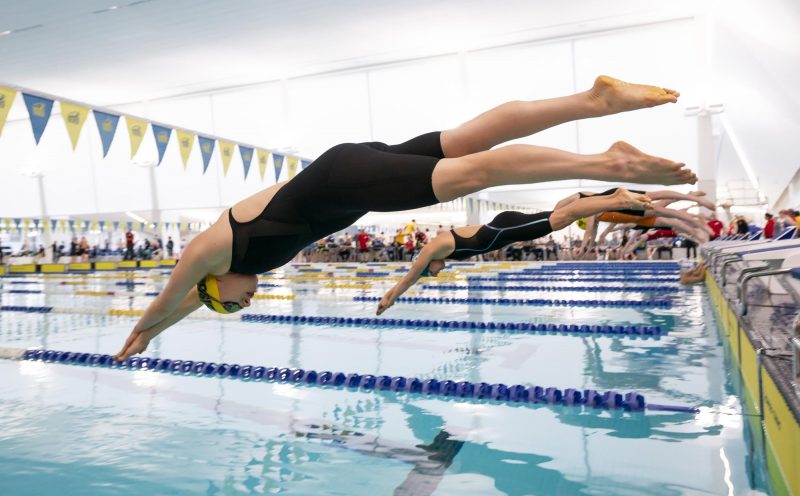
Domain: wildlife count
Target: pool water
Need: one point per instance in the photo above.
(93, 431)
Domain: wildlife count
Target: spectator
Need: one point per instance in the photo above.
(170, 246)
(742, 227)
(769, 227)
(129, 245)
(362, 238)
(411, 228)
(715, 225)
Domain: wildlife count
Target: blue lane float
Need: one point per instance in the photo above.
(591, 289)
(510, 394)
(456, 325)
(12, 308)
(530, 302)
(513, 277)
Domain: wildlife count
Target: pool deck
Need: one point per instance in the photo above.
(754, 340)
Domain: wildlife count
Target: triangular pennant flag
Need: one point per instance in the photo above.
(206, 149)
(107, 126)
(136, 130)
(102, 225)
(277, 160)
(185, 144)
(247, 156)
(130, 226)
(53, 224)
(36, 224)
(291, 166)
(6, 100)
(71, 225)
(39, 111)
(470, 207)
(161, 135)
(74, 116)
(263, 155)
(304, 164)
(226, 152)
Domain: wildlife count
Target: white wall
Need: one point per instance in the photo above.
(756, 73)
(385, 103)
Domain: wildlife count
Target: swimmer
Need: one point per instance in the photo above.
(219, 267)
(504, 229)
(693, 225)
(694, 275)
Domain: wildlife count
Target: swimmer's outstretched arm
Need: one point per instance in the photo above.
(139, 339)
(179, 297)
(438, 249)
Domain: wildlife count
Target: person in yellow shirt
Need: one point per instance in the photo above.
(411, 227)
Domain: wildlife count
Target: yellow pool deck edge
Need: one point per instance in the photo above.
(781, 428)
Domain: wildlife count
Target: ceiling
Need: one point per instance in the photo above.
(117, 51)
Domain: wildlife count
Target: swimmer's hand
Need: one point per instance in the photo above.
(386, 302)
(136, 343)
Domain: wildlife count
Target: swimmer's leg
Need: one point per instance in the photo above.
(524, 164)
(592, 205)
(694, 197)
(517, 119)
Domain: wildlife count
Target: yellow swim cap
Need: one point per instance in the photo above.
(581, 223)
(208, 291)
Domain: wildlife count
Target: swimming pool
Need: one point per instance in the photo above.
(91, 430)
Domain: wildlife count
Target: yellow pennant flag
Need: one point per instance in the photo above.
(262, 155)
(185, 144)
(6, 99)
(74, 117)
(291, 165)
(136, 130)
(226, 152)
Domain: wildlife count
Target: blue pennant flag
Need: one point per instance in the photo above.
(304, 164)
(39, 111)
(247, 156)
(116, 225)
(72, 225)
(162, 135)
(102, 224)
(53, 224)
(206, 149)
(107, 125)
(17, 222)
(130, 226)
(278, 161)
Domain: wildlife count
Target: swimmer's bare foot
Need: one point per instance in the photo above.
(629, 164)
(612, 96)
(631, 201)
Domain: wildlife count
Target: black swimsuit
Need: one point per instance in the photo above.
(504, 229)
(337, 189)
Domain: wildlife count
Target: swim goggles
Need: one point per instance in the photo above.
(208, 292)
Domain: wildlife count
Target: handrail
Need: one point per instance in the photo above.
(741, 286)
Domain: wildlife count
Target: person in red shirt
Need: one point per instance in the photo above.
(363, 246)
(769, 227)
(128, 245)
(715, 226)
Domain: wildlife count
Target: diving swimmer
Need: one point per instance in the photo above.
(504, 229)
(219, 267)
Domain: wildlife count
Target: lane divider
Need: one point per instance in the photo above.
(513, 278)
(456, 325)
(592, 289)
(532, 302)
(443, 325)
(513, 394)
